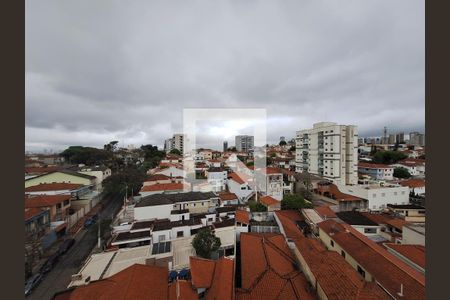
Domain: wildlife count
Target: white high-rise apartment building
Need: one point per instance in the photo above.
(329, 150)
(244, 143)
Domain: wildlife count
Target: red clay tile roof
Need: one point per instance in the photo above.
(373, 166)
(56, 186)
(216, 276)
(239, 178)
(135, 282)
(288, 219)
(386, 269)
(336, 277)
(396, 223)
(337, 194)
(269, 201)
(182, 290)
(415, 253)
(242, 216)
(272, 170)
(173, 186)
(31, 212)
(377, 218)
(267, 269)
(413, 183)
(157, 177)
(222, 287)
(202, 271)
(41, 170)
(224, 196)
(325, 212)
(412, 162)
(45, 200)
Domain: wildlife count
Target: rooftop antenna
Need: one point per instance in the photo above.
(401, 290)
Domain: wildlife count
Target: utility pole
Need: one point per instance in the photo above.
(99, 239)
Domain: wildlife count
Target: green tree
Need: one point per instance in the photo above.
(292, 149)
(256, 206)
(232, 149)
(175, 151)
(111, 146)
(294, 201)
(129, 180)
(387, 157)
(401, 173)
(282, 143)
(205, 243)
(86, 155)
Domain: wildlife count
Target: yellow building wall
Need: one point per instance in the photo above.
(56, 177)
(327, 241)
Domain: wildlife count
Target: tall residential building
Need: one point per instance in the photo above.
(400, 137)
(329, 150)
(417, 138)
(168, 145)
(225, 146)
(392, 139)
(282, 139)
(176, 142)
(244, 143)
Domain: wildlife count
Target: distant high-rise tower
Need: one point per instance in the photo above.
(244, 143)
(225, 146)
(282, 139)
(385, 136)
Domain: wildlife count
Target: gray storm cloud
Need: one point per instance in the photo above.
(105, 70)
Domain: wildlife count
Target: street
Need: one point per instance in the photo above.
(70, 263)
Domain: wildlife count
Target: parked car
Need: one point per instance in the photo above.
(50, 263)
(65, 246)
(90, 221)
(32, 282)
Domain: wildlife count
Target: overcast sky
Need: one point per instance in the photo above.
(98, 71)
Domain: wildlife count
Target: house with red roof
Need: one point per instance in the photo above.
(413, 255)
(135, 282)
(239, 184)
(163, 188)
(54, 188)
(213, 279)
(373, 262)
(268, 269)
(376, 171)
(271, 203)
(57, 205)
(416, 185)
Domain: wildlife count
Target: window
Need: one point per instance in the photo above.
(370, 230)
(332, 243)
(361, 271)
(395, 193)
(161, 238)
(403, 192)
(383, 194)
(66, 202)
(58, 205)
(180, 234)
(343, 253)
(374, 195)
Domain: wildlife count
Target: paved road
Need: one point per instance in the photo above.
(59, 278)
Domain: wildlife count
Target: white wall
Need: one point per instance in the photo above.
(379, 197)
(153, 212)
(235, 188)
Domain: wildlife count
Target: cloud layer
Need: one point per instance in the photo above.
(108, 70)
